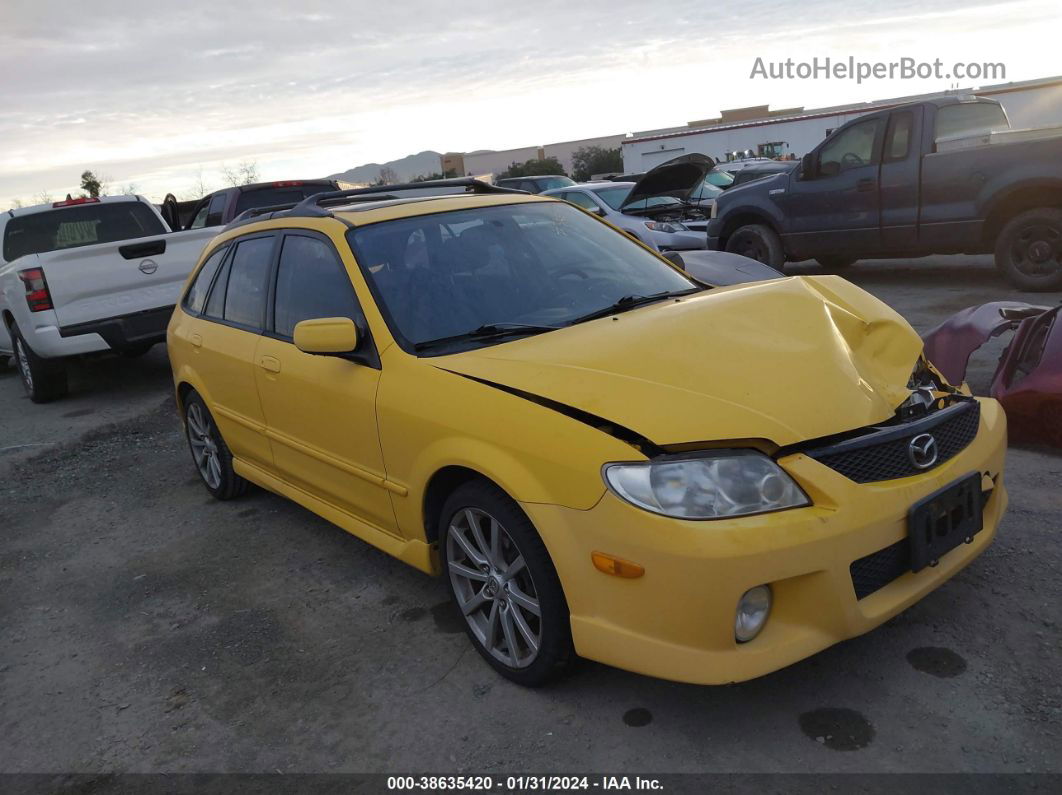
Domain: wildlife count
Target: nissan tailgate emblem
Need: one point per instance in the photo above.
(148, 266)
(922, 450)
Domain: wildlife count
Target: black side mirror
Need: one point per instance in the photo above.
(808, 166)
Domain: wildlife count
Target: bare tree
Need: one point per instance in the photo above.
(129, 189)
(16, 203)
(199, 187)
(243, 174)
(44, 197)
(388, 176)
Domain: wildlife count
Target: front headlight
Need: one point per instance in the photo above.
(666, 226)
(713, 485)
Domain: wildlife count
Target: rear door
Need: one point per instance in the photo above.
(839, 209)
(224, 335)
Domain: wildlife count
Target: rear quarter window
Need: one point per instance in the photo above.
(970, 118)
(83, 225)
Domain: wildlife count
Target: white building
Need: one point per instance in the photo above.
(1034, 103)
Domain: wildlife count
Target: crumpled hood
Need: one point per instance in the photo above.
(786, 360)
(677, 178)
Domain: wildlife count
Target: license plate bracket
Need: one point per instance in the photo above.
(946, 518)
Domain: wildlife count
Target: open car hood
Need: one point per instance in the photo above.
(786, 360)
(677, 178)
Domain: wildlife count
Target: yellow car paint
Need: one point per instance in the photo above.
(764, 365)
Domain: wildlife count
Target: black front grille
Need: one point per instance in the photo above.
(878, 569)
(883, 453)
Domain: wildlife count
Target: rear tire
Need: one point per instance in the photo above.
(1029, 250)
(43, 379)
(835, 263)
(210, 454)
(504, 586)
(758, 242)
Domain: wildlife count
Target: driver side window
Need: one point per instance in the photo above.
(580, 199)
(850, 149)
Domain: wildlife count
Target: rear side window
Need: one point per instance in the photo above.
(580, 199)
(898, 138)
(195, 300)
(283, 194)
(247, 288)
(970, 118)
(311, 283)
(83, 225)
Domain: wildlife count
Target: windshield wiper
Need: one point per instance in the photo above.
(629, 302)
(487, 331)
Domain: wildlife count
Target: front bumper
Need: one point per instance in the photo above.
(679, 241)
(677, 621)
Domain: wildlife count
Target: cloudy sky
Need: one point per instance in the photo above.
(163, 95)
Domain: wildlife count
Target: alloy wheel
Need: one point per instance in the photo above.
(23, 365)
(204, 447)
(494, 588)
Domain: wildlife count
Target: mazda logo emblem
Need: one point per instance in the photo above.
(922, 450)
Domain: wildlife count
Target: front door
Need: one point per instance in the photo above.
(837, 210)
(321, 410)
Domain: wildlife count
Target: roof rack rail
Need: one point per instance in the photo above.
(249, 215)
(311, 206)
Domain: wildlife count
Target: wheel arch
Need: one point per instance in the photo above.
(743, 217)
(1028, 196)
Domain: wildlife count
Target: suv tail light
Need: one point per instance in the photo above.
(37, 295)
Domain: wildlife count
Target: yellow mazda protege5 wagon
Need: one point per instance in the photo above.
(601, 456)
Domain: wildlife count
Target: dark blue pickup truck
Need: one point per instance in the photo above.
(945, 176)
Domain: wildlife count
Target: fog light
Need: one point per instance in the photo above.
(752, 610)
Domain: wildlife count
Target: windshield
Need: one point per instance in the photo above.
(441, 275)
(549, 183)
(81, 225)
(614, 197)
(721, 179)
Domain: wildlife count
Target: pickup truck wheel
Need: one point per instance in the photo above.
(759, 242)
(1029, 250)
(210, 454)
(43, 379)
(504, 587)
(835, 263)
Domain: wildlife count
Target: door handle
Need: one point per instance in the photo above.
(196, 340)
(865, 184)
(270, 364)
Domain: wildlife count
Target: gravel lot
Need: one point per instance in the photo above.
(145, 627)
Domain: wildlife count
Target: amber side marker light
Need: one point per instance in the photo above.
(617, 567)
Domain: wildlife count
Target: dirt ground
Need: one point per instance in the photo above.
(145, 627)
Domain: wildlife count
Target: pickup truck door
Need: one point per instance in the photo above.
(837, 208)
(108, 280)
(900, 179)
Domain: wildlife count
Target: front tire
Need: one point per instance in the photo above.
(210, 454)
(43, 379)
(758, 242)
(1029, 250)
(504, 586)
